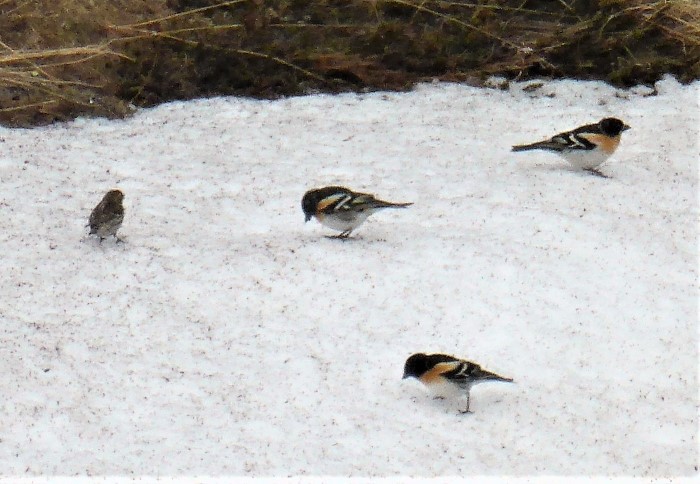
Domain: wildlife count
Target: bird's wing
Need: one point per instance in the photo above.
(98, 215)
(334, 202)
(462, 371)
(438, 371)
(572, 141)
(348, 202)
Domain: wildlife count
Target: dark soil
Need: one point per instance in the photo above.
(144, 52)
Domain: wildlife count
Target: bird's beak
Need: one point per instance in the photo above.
(625, 127)
(307, 217)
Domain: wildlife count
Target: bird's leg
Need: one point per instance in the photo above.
(467, 410)
(597, 172)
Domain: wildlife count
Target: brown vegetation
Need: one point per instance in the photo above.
(63, 58)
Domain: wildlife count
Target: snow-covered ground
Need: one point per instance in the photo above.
(227, 337)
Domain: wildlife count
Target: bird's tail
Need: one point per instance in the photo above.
(369, 202)
(540, 145)
(487, 375)
(383, 204)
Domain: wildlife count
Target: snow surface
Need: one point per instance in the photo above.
(227, 337)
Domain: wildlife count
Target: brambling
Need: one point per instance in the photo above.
(445, 374)
(586, 147)
(107, 216)
(342, 209)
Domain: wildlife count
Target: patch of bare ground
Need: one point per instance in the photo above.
(64, 58)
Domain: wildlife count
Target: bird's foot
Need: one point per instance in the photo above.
(596, 172)
(341, 236)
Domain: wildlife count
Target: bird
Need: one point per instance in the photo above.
(107, 216)
(342, 209)
(445, 374)
(586, 147)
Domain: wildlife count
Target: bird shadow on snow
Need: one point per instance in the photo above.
(440, 406)
(107, 243)
(355, 239)
(609, 175)
(454, 406)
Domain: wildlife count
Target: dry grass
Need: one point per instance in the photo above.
(63, 58)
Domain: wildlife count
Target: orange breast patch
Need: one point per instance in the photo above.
(606, 143)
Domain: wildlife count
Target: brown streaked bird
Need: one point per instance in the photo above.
(342, 209)
(108, 216)
(586, 147)
(443, 374)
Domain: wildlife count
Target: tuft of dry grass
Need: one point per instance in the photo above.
(64, 58)
(55, 59)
